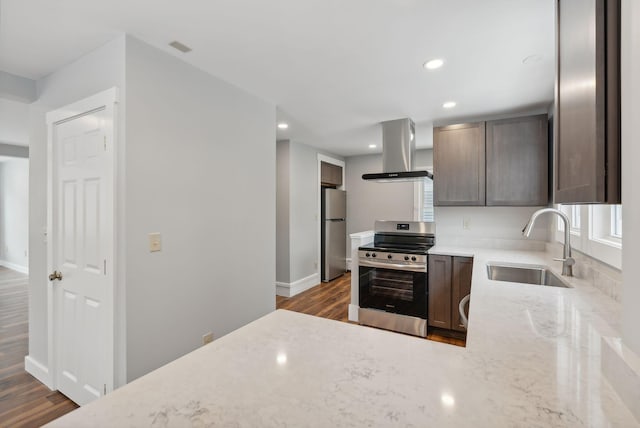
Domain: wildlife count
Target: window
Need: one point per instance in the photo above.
(596, 230)
(574, 214)
(616, 221)
(427, 200)
(575, 218)
(423, 199)
(606, 224)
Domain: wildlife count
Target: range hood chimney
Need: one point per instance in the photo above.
(398, 152)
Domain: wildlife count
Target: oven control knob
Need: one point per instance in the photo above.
(413, 259)
(406, 258)
(368, 255)
(373, 255)
(389, 256)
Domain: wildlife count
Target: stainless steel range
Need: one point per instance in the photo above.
(393, 281)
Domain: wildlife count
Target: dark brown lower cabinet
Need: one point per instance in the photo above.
(460, 287)
(449, 282)
(440, 291)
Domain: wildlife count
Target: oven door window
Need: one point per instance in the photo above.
(394, 291)
(392, 284)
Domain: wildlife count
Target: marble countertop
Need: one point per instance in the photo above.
(532, 360)
(365, 234)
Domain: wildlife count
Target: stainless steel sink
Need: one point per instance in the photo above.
(523, 273)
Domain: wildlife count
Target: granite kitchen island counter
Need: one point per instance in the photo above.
(532, 360)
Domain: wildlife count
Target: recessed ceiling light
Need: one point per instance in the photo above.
(283, 125)
(449, 104)
(282, 358)
(433, 64)
(372, 146)
(180, 46)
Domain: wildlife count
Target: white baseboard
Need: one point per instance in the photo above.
(13, 266)
(353, 312)
(37, 370)
(349, 264)
(291, 289)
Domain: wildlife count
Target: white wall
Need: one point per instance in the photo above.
(14, 122)
(17, 88)
(630, 172)
(94, 72)
(14, 151)
(283, 179)
(14, 214)
(200, 169)
(199, 157)
(486, 224)
(368, 201)
(304, 215)
(298, 212)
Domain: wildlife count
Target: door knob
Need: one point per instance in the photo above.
(55, 275)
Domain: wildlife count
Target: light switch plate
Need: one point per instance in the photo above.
(155, 242)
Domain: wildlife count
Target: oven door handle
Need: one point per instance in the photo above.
(393, 266)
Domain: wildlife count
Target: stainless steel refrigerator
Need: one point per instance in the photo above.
(334, 233)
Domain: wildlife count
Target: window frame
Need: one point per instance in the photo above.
(576, 215)
(573, 212)
(594, 237)
(616, 221)
(418, 196)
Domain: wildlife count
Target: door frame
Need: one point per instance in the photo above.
(108, 100)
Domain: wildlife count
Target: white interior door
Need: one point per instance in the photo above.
(81, 247)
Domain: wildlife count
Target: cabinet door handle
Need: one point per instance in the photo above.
(393, 266)
(463, 317)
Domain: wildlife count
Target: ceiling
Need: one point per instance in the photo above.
(334, 68)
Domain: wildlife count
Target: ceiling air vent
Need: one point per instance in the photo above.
(181, 47)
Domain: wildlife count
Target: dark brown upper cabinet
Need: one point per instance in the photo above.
(459, 164)
(587, 108)
(330, 175)
(517, 161)
(496, 163)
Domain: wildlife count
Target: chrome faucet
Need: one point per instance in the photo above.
(567, 260)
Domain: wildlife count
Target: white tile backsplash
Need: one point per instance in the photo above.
(605, 278)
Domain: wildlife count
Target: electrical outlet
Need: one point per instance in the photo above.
(207, 338)
(155, 242)
(315, 265)
(466, 223)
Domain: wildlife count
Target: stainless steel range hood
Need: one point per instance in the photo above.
(398, 152)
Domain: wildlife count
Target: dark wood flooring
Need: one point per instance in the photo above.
(331, 300)
(326, 300)
(24, 401)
